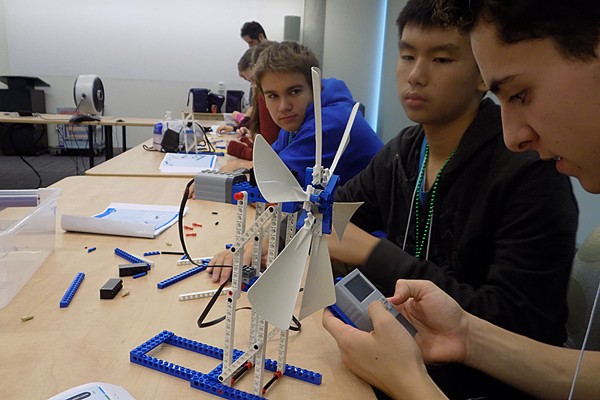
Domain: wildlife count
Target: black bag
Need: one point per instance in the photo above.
(170, 141)
(215, 100)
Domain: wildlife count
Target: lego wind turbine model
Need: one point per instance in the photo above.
(273, 296)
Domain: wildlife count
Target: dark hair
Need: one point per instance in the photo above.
(420, 13)
(573, 26)
(285, 57)
(252, 29)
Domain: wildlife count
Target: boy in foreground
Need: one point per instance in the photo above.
(542, 61)
(494, 229)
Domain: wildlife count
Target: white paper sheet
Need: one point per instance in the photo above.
(187, 163)
(125, 219)
(95, 391)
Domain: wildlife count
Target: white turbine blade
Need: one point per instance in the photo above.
(316, 83)
(273, 296)
(275, 181)
(342, 212)
(345, 138)
(319, 291)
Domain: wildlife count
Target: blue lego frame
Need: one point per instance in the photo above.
(324, 199)
(209, 382)
(254, 196)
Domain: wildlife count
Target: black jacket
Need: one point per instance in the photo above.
(503, 232)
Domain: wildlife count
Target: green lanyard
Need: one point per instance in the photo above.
(421, 237)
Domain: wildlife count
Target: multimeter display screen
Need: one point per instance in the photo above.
(359, 288)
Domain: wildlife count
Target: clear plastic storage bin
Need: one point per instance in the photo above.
(26, 236)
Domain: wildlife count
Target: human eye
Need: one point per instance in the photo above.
(406, 57)
(442, 60)
(521, 96)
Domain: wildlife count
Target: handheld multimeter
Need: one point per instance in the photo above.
(354, 293)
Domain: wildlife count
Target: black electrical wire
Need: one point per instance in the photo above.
(209, 306)
(39, 185)
(10, 133)
(149, 148)
(180, 222)
(213, 300)
(69, 127)
(207, 143)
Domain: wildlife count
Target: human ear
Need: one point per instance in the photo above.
(482, 86)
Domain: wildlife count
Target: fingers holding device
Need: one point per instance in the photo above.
(354, 293)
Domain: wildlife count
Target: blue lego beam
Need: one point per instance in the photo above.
(179, 277)
(68, 296)
(130, 257)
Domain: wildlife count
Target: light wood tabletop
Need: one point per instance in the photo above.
(90, 340)
(104, 120)
(41, 118)
(141, 160)
(107, 122)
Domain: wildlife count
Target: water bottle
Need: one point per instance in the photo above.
(190, 141)
(157, 137)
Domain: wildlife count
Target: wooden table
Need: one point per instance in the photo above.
(138, 161)
(90, 340)
(107, 122)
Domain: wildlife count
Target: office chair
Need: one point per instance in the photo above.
(583, 285)
(233, 100)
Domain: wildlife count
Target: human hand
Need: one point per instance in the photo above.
(441, 324)
(375, 356)
(191, 191)
(224, 260)
(224, 129)
(243, 131)
(220, 274)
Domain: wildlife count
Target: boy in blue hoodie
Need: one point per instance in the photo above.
(283, 75)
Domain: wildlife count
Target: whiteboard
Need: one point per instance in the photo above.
(178, 40)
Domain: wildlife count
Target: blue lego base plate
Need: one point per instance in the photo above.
(209, 382)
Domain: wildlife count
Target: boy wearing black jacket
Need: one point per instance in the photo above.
(494, 229)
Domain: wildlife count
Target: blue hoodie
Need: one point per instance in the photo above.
(336, 105)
